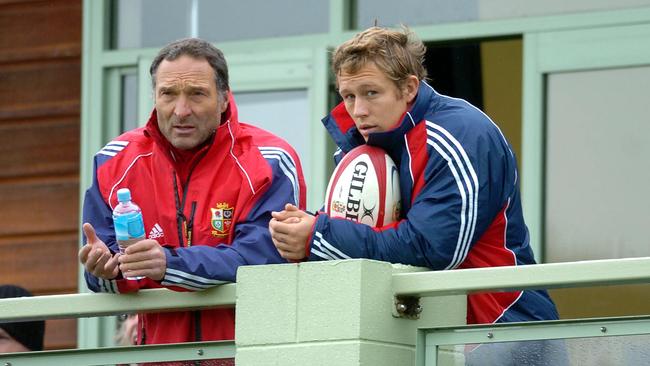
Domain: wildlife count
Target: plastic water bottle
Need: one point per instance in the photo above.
(127, 219)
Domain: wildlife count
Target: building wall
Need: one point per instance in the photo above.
(40, 79)
(40, 76)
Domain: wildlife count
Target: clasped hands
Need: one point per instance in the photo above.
(144, 258)
(290, 230)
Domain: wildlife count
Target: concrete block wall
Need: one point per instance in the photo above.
(330, 313)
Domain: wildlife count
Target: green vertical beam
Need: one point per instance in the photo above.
(93, 332)
(420, 349)
(532, 146)
(431, 356)
(340, 16)
(318, 104)
(91, 95)
(111, 122)
(341, 21)
(145, 92)
(90, 137)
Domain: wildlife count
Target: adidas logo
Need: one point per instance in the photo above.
(156, 232)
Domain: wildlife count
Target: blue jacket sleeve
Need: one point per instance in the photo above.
(200, 267)
(97, 212)
(465, 186)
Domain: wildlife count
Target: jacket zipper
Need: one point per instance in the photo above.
(190, 224)
(183, 224)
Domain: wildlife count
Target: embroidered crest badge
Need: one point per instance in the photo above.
(221, 219)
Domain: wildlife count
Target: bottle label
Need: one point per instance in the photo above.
(128, 226)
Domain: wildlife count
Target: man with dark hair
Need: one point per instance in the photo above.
(206, 184)
(20, 336)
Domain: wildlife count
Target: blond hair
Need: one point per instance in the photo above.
(397, 53)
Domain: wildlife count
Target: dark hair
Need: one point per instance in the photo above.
(195, 48)
(29, 333)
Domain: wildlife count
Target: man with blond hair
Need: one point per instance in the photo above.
(460, 198)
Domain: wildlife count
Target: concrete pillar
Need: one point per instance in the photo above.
(330, 313)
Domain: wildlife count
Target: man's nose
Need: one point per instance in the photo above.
(182, 108)
(360, 108)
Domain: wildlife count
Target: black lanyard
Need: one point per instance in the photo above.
(182, 223)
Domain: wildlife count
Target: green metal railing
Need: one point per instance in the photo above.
(630, 335)
(540, 276)
(91, 305)
(99, 304)
(433, 343)
(123, 355)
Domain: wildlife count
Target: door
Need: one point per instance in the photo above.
(586, 152)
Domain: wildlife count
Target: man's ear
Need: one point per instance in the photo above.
(225, 101)
(410, 88)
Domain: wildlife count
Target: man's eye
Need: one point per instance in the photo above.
(371, 93)
(349, 97)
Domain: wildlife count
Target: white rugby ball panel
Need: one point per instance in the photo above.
(364, 187)
(394, 195)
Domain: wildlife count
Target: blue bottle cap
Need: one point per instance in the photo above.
(123, 195)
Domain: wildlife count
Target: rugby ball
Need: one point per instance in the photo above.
(364, 188)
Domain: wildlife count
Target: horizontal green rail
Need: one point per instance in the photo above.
(551, 275)
(426, 283)
(100, 304)
(430, 349)
(617, 337)
(540, 330)
(124, 355)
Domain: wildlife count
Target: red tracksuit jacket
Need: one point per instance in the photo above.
(209, 225)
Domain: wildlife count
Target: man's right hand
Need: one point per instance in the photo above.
(95, 256)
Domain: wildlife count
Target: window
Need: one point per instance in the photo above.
(154, 23)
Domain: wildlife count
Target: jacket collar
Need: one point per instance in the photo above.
(341, 127)
(229, 126)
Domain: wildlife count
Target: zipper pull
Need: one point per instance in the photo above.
(190, 224)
